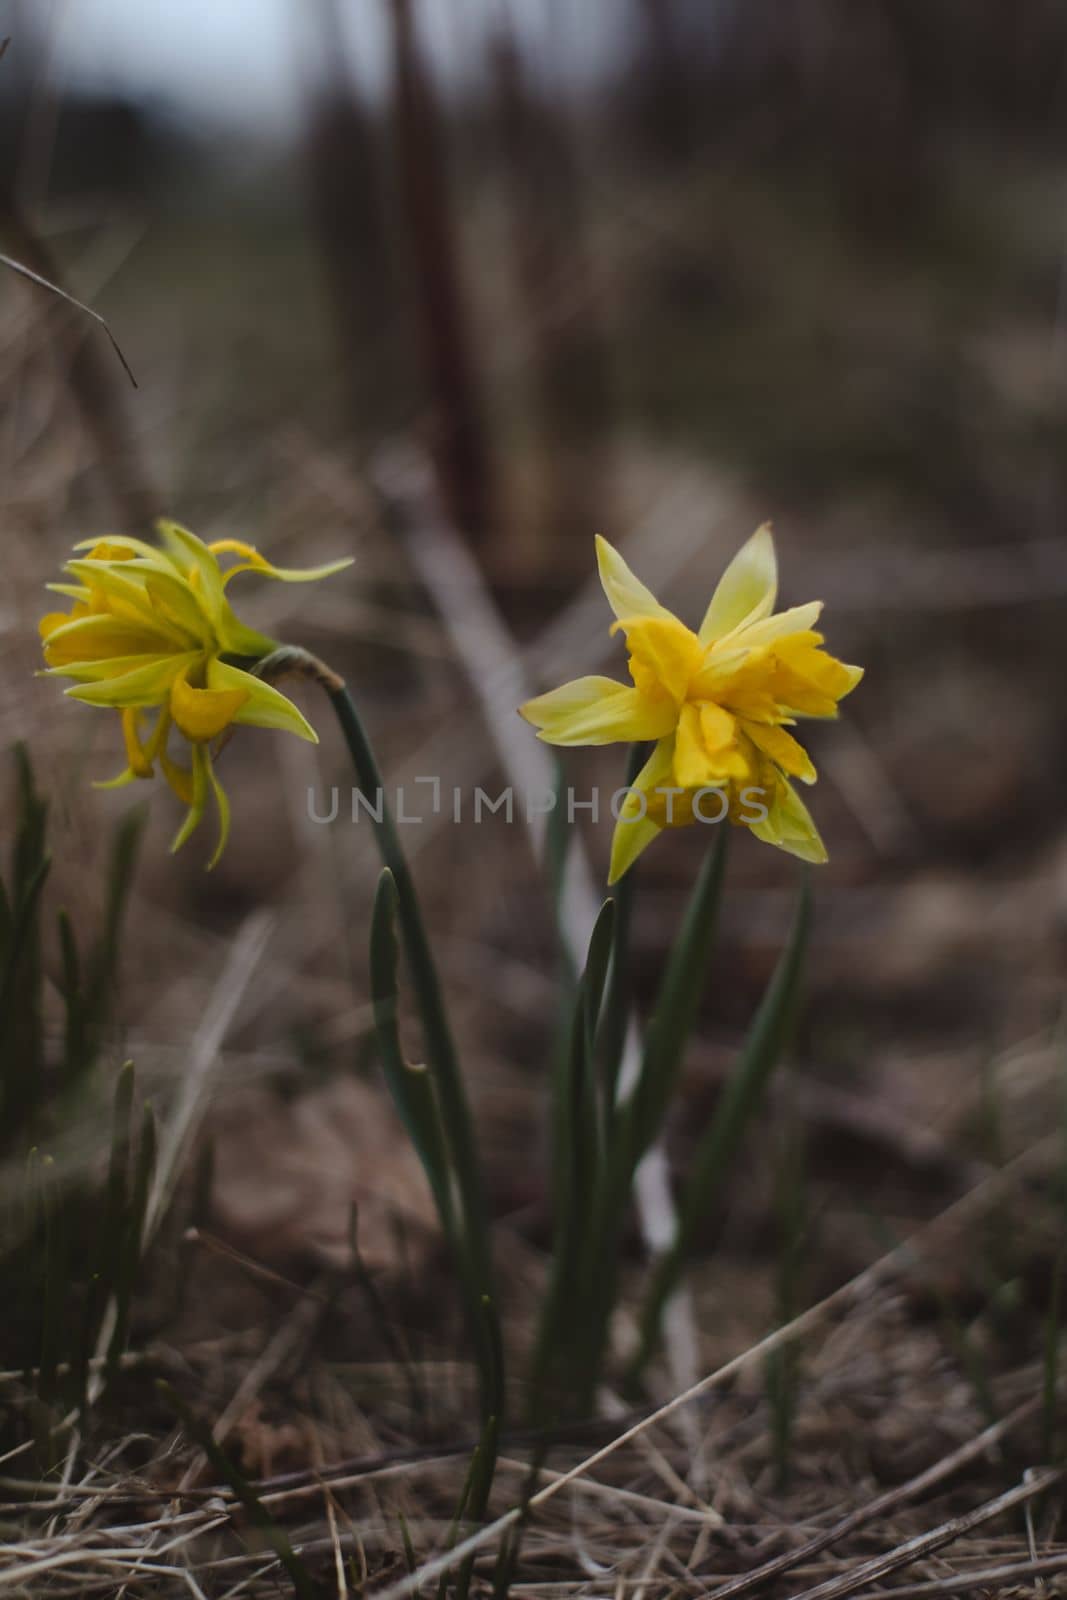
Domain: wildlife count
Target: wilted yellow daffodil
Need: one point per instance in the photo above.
(152, 634)
(717, 702)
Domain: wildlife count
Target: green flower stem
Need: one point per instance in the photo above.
(438, 1037)
(469, 1232)
(436, 1112)
(290, 660)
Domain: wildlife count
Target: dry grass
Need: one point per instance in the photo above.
(893, 1471)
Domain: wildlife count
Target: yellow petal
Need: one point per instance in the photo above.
(808, 682)
(597, 711)
(637, 826)
(627, 843)
(122, 593)
(108, 550)
(179, 778)
(202, 714)
(719, 667)
(223, 805)
(797, 619)
(99, 638)
(718, 728)
(789, 824)
(157, 740)
(747, 590)
(121, 548)
(264, 706)
(691, 767)
(197, 799)
(178, 603)
(252, 561)
(140, 765)
(783, 749)
(690, 758)
(237, 547)
(191, 561)
(194, 562)
(124, 778)
(741, 681)
(698, 765)
(627, 595)
(147, 685)
(665, 655)
(114, 667)
(74, 591)
(50, 622)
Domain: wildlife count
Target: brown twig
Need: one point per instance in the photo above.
(924, 1544)
(982, 1578)
(90, 381)
(880, 1505)
(79, 305)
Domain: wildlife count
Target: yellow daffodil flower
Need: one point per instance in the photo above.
(717, 702)
(151, 633)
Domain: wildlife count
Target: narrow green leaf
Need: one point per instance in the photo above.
(414, 1092)
(483, 1470)
(142, 1181)
(449, 1093)
(92, 1310)
(584, 1112)
(257, 1513)
(507, 1562)
(104, 965)
(21, 1055)
(5, 921)
(23, 928)
(575, 1115)
(641, 1117)
(457, 1517)
(601, 943)
(617, 999)
(132, 1237)
(557, 842)
(474, 1497)
(74, 1041)
(1051, 1376)
(719, 1145)
(380, 1318)
(638, 1120)
(56, 1285)
(197, 1218)
(970, 1356)
(437, 1035)
(576, 1161)
(109, 1244)
(410, 1560)
(411, 1086)
(31, 814)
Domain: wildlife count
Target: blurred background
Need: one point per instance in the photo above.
(659, 269)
